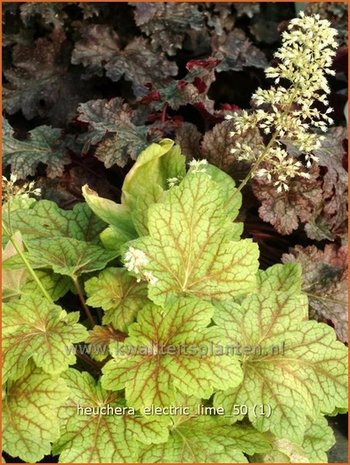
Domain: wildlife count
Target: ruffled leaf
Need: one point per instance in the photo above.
(167, 24)
(293, 366)
(100, 49)
(153, 361)
(69, 257)
(120, 296)
(43, 145)
(190, 248)
(101, 437)
(34, 328)
(286, 210)
(206, 439)
(325, 280)
(116, 128)
(46, 220)
(236, 52)
(30, 414)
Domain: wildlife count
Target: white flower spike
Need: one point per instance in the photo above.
(288, 113)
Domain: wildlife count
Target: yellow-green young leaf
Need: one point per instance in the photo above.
(34, 328)
(117, 215)
(114, 238)
(143, 185)
(153, 167)
(45, 220)
(170, 348)
(205, 439)
(190, 248)
(119, 294)
(292, 366)
(103, 435)
(30, 408)
(147, 180)
(68, 256)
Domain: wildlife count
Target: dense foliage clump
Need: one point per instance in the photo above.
(174, 253)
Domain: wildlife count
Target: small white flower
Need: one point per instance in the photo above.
(135, 260)
(13, 178)
(149, 276)
(198, 166)
(173, 182)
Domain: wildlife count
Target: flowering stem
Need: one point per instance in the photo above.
(267, 148)
(257, 163)
(27, 264)
(82, 300)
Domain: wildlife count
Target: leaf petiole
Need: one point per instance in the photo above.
(82, 300)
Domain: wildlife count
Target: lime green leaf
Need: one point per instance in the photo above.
(147, 180)
(280, 278)
(46, 220)
(110, 212)
(283, 451)
(68, 256)
(153, 361)
(101, 437)
(318, 439)
(140, 210)
(154, 166)
(232, 197)
(119, 294)
(30, 420)
(322, 365)
(337, 411)
(17, 281)
(291, 366)
(56, 285)
(18, 202)
(121, 229)
(190, 251)
(114, 238)
(206, 439)
(35, 328)
(143, 186)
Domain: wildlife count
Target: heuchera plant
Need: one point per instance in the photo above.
(189, 325)
(184, 351)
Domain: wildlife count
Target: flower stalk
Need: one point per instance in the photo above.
(290, 114)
